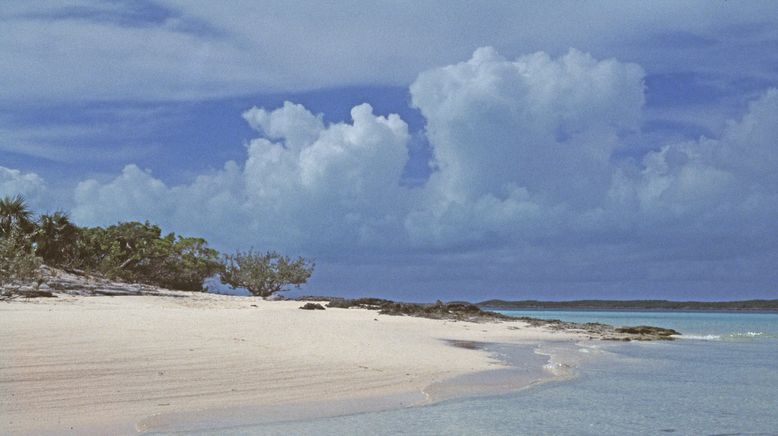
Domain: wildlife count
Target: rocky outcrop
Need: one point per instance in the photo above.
(463, 311)
(605, 331)
(646, 330)
(312, 306)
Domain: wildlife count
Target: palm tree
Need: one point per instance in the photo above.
(55, 237)
(14, 215)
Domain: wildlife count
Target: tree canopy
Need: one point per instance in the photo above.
(14, 216)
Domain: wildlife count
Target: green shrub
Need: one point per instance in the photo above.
(17, 262)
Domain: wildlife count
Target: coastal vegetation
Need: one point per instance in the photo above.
(133, 252)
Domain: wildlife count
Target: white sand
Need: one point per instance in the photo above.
(119, 364)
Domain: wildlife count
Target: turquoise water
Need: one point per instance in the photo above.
(723, 382)
(693, 325)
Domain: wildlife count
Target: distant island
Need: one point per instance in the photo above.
(743, 305)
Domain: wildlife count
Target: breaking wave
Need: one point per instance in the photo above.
(730, 336)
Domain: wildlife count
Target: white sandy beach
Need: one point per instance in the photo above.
(81, 365)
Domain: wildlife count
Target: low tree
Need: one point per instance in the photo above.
(188, 263)
(264, 274)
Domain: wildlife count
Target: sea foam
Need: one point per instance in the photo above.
(701, 337)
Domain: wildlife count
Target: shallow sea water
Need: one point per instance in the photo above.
(722, 381)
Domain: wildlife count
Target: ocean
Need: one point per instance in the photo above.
(721, 379)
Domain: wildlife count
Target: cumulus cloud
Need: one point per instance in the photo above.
(513, 137)
(740, 163)
(133, 195)
(718, 191)
(292, 123)
(29, 185)
(523, 152)
(316, 185)
(529, 122)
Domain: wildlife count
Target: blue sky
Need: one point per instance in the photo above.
(511, 150)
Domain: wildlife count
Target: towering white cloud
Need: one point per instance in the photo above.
(316, 185)
(532, 122)
(512, 137)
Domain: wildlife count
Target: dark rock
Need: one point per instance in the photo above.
(438, 310)
(364, 303)
(315, 298)
(339, 303)
(647, 330)
(312, 306)
(37, 294)
(7, 294)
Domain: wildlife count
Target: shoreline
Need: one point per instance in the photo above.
(97, 364)
(517, 375)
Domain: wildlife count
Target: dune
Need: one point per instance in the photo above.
(121, 365)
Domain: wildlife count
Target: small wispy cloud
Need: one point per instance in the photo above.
(76, 154)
